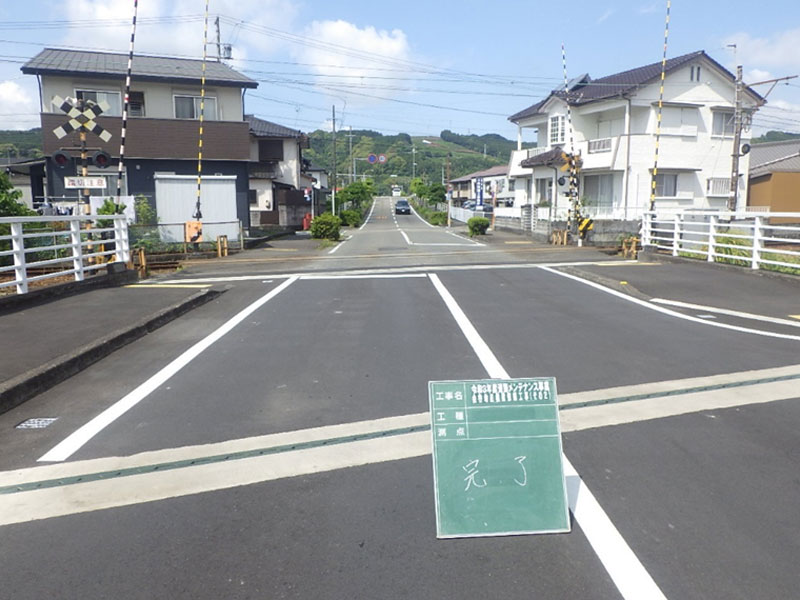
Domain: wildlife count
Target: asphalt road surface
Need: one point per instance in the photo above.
(275, 443)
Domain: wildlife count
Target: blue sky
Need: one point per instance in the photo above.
(412, 66)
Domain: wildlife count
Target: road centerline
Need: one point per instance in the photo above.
(623, 566)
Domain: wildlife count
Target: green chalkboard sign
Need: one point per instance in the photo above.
(497, 464)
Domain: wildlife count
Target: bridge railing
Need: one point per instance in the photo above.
(43, 247)
(759, 240)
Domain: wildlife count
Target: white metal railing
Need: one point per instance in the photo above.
(758, 240)
(537, 151)
(600, 145)
(37, 248)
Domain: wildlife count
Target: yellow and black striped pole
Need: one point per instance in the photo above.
(126, 104)
(658, 117)
(197, 213)
(574, 207)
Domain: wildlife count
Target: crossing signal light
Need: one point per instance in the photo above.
(101, 159)
(61, 159)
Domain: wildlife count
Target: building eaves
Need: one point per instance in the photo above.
(109, 65)
(262, 128)
(610, 86)
(789, 164)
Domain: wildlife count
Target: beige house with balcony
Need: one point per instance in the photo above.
(614, 123)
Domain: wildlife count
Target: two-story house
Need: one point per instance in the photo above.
(277, 178)
(614, 125)
(161, 144)
(484, 186)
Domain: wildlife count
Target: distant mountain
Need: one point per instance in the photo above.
(431, 154)
(21, 144)
(775, 136)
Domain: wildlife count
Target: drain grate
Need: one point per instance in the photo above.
(38, 423)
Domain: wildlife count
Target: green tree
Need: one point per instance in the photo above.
(437, 193)
(418, 188)
(9, 199)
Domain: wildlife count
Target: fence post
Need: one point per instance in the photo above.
(676, 235)
(241, 236)
(122, 241)
(757, 246)
(77, 248)
(712, 238)
(18, 246)
(646, 225)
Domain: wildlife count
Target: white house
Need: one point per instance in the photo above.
(483, 186)
(614, 124)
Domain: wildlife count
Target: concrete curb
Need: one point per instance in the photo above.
(17, 390)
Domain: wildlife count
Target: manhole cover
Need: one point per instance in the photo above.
(39, 423)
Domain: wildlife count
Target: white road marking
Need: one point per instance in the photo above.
(416, 269)
(70, 445)
(385, 276)
(403, 233)
(669, 312)
(369, 216)
(85, 497)
(725, 311)
(623, 566)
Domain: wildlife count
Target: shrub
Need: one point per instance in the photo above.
(438, 218)
(351, 218)
(326, 226)
(478, 226)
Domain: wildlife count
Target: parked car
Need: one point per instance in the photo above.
(468, 205)
(402, 207)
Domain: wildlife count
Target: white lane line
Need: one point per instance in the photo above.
(461, 237)
(339, 245)
(440, 269)
(408, 241)
(672, 313)
(420, 218)
(623, 566)
(725, 311)
(72, 443)
(345, 276)
(369, 216)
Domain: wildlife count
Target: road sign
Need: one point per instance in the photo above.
(381, 158)
(81, 119)
(372, 159)
(497, 461)
(90, 183)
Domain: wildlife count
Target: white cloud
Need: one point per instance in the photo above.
(19, 109)
(347, 55)
(182, 33)
(778, 51)
(605, 15)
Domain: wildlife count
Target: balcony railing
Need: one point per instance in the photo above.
(601, 145)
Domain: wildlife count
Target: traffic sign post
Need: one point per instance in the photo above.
(497, 458)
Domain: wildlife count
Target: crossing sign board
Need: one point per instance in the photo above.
(81, 119)
(497, 458)
(90, 183)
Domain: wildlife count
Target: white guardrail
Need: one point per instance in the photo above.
(36, 248)
(755, 239)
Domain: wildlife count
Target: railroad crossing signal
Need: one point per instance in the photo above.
(585, 225)
(81, 119)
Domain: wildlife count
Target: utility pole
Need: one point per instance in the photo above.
(333, 193)
(353, 158)
(737, 142)
(413, 162)
(219, 44)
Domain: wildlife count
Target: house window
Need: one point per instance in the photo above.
(557, 129)
(512, 183)
(723, 123)
(136, 104)
(270, 150)
(188, 107)
(694, 74)
(97, 96)
(667, 185)
(599, 189)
